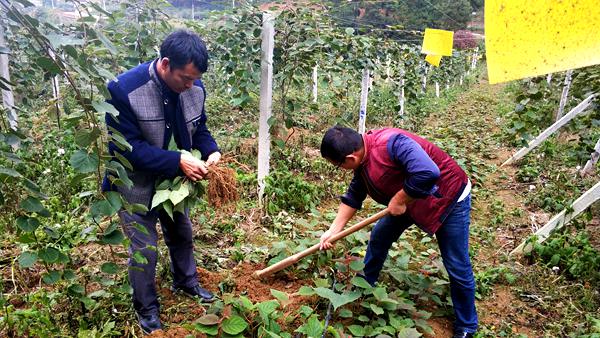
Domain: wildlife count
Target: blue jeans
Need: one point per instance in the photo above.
(178, 237)
(453, 241)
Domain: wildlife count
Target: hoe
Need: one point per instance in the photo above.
(295, 258)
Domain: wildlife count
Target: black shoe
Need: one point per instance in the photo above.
(149, 323)
(196, 291)
(463, 334)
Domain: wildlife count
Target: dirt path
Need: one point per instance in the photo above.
(500, 219)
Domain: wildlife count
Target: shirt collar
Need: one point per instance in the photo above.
(163, 85)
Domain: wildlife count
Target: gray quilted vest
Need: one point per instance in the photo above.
(148, 106)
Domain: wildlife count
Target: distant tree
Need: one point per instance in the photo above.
(368, 16)
(464, 39)
(476, 4)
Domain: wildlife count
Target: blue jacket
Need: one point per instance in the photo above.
(149, 113)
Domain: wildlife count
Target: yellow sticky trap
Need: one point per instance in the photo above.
(434, 60)
(437, 42)
(530, 38)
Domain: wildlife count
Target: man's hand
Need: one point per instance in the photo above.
(192, 167)
(325, 237)
(213, 158)
(397, 205)
(396, 208)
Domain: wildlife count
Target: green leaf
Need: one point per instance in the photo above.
(266, 308)
(51, 277)
(408, 333)
(209, 330)
(110, 268)
(28, 224)
(48, 255)
(345, 313)
(58, 40)
(103, 208)
(376, 309)
(234, 325)
(120, 141)
(306, 291)
(210, 319)
(349, 31)
(168, 209)
(357, 265)
(27, 259)
(139, 257)
(159, 197)
(83, 162)
(123, 177)
(33, 204)
(76, 289)
(48, 65)
(125, 162)
(380, 294)
(105, 107)
(106, 42)
(281, 296)
(69, 274)
(361, 282)
(180, 194)
(8, 172)
(84, 138)
(337, 299)
(141, 229)
(313, 327)
(246, 303)
(357, 330)
(114, 237)
(164, 185)
(88, 302)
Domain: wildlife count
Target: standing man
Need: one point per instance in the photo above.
(157, 101)
(420, 184)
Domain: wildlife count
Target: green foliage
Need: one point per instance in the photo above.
(572, 253)
(290, 191)
(177, 194)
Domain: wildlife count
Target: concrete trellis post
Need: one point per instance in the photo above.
(388, 71)
(583, 105)
(55, 90)
(549, 78)
(401, 98)
(437, 89)
(424, 85)
(266, 102)
(474, 59)
(594, 156)
(560, 219)
(7, 95)
(565, 95)
(315, 78)
(364, 94)
(460, 81)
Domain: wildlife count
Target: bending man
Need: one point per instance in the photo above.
(421, 185)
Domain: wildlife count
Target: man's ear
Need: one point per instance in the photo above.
(352, 158)
(164, 63)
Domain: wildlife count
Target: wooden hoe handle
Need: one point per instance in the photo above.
(295, 258)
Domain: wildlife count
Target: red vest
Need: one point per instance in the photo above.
(384, 178)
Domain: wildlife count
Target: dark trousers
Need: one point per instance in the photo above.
(178, 237)
(453, 241)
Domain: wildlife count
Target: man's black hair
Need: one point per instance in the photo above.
(339, 142)
(182, 47)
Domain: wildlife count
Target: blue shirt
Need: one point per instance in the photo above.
(421, 172)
